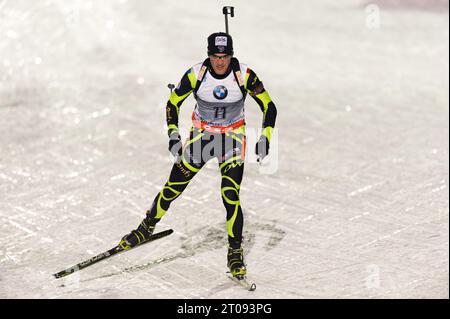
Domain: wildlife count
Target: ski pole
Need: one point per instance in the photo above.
(259, 160)
(171, 87)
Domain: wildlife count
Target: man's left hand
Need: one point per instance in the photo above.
(262, 148)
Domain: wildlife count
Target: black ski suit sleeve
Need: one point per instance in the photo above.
(178, 96)
(256, 89)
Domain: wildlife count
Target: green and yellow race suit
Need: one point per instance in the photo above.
(218, 131)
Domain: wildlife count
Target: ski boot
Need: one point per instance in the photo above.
(139, 235)
(236, 262)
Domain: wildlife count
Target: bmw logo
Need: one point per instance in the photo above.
(220, 92)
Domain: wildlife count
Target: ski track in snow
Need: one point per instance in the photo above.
(359, 205)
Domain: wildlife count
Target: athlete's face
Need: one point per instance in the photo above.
(220, 63)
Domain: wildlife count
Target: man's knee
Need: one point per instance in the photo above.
(230, 194)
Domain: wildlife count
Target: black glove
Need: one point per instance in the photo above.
(262, 148)
(175, 145)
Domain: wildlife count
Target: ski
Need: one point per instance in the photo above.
(107, 254)
(242, 281)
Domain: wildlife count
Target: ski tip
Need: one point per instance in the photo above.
(242, 280)
(57, 276)
(61, 274)
(165, 232)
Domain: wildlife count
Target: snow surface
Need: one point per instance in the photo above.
(357, 208)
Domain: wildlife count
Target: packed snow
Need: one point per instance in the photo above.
(353, 202)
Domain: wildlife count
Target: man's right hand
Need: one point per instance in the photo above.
(175, 144)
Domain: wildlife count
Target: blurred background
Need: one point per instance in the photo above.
(358, 207)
